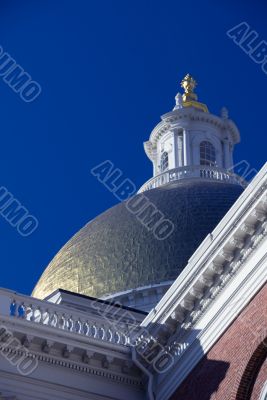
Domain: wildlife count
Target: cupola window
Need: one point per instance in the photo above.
(207, 154)
(164, 162)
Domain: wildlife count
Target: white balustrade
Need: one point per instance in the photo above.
(201, 171)
(96, 326)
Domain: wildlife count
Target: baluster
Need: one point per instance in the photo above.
(22, 311)
(124, 331)
(94, 331)
(38, 315)
(62, 322)
(109, 335)
(13, 308)
(127, 332)
(31, 313)
(56, 320)
(53, 322)
(117, 337)
(78, 326)
(123, 339)
(27, 312)
(102, 333)
(44, 317)
(59, 321)
(70, 324)
(49, 317)
(85, 328)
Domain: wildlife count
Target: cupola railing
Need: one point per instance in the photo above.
(190, 172)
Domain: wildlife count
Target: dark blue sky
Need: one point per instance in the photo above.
(108, 70)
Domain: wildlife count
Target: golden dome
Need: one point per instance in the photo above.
(115, 252)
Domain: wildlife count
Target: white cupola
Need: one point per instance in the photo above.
(190, 142)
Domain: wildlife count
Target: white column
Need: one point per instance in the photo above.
(180, 150)
(155, 167)
(175, 148)
(187, 158)
(226, 154)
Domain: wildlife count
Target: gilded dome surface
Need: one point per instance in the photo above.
(115, 252)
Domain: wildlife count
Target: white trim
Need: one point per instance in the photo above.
(215, 322)
(236, 252)
(263, 395)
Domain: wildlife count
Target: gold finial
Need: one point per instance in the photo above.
(189, 97)
(189, 84)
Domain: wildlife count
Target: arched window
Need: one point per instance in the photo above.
(207, 154)
(164, 161)
(251, 373)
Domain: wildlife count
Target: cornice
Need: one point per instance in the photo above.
(222, 267)
(216, 321)
(230, 270)
(62, 362)
(55, 344)
(184, 116)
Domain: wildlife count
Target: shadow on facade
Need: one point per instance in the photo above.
(203, 382)
(206, 377)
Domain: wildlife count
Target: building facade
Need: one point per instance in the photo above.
(164, 295)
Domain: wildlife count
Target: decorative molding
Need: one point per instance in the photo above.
(224, 266)
(42, 332)
(184, 116)
(218, 316)
(62, 362)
